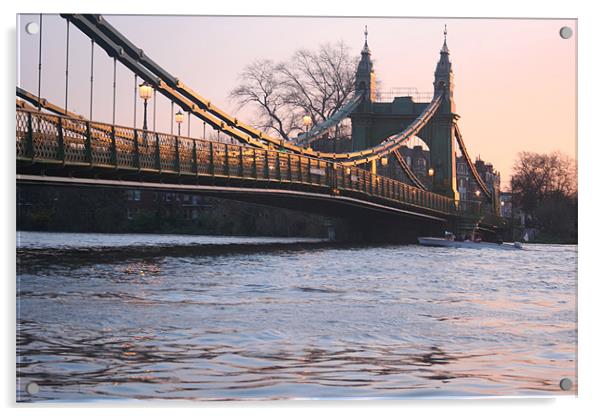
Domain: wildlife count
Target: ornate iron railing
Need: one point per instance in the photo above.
(52, 139)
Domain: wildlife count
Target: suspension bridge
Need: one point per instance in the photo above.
(57, 147)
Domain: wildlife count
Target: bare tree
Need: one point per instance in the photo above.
(262, 86)
(538, 177)
(314, 83)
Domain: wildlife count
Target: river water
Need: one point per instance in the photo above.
(298, 320)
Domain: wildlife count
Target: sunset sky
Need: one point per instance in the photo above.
(515, 81)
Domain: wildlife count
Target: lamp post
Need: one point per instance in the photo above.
(179, 120)
(306, 123)
(431, 173)
(146, 92)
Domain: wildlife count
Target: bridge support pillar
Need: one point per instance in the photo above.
(384, 230)
(360, 133)
(443, 157)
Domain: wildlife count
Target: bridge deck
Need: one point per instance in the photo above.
(73, 148)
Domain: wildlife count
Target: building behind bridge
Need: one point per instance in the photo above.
(418, 159)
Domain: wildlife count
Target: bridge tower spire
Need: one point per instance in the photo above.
(444, 76)
(365, 79)
(443, 142)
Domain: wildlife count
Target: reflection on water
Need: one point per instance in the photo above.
(327, 322)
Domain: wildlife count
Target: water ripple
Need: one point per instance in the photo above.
(330, 322)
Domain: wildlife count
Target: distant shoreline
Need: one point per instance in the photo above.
(32, 258)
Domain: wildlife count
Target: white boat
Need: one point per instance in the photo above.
(444, 242)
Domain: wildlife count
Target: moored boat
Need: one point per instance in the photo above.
(444, 242)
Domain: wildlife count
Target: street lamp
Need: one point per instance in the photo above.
(146, 92)
(179, 119)
(431, 173)
(306, 123)
(478, 201)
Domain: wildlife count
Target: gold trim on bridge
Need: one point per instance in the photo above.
(79, 147)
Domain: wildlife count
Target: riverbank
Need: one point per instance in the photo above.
(536, 236)
(57, 209)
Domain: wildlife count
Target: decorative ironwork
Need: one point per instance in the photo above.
(44, 138)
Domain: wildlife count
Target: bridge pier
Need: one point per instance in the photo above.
(400, 231)
(462, 226)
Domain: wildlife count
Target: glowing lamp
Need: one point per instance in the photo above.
(146, 91)
(179, 117)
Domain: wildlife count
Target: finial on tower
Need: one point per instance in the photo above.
(366, 49)
(445, 49)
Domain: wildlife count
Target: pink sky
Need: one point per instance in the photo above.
(515, 79)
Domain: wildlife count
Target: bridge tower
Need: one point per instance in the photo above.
(372, 121)
(365, 79)
(442, 141)
(365, 83)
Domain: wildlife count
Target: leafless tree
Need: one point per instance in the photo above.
(314, 83)
(261, 86)
(539, 177)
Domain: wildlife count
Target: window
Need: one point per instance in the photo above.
(134, 195)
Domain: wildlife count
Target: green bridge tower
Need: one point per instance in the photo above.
(372, 121)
